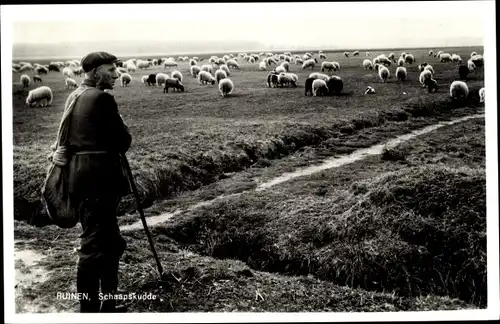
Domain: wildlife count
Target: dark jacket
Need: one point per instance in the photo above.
(96, 125)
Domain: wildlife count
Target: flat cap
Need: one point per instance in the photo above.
(96, 59)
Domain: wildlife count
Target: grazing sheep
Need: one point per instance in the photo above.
(204, 77)
(438, 54)
(286, 65)
(355, 53)
(131, 67)
(25, 68)
(410, 59)
(463, 71)
(298, 61)
(151, 81)
(369, 90)
(175, 84)
(481, 94)
(309, 63)
(401, 73)
(368, 54)
(71, 83)
(376, 60)
(144, 79)
(78, 71)
(401, 61)
(155, 62)
(424, 76)
(177, 75)
(459, 90)
(478, 60)
(68, 72)
(41, 96)
(262, 66)
(125, 79)
(232, 63)
(335, 85)
(367, 64)
(445, 57)
(193, 62)
(220, 74)
(383, 73)
(319, 88)
(432, 86)
(41, 70)
(279, 69)
(322, 56)
(272, 79)
(471, 66)
(54, 67)
(287, 79)
(346, 54)
(456, 58)
(317, 75)
(225, 68)
(391, 56)
(206, 68)
(36, 78)
(194, 70)
(422, 66)
(327, 66)
(226, 87)
(25, 80)
(471, 54)
(376, 66)
(431, 52)
(161, 78)
(384, 60)
(403, 55)
(308, 86)
(144, 64)
(169, 63)
(429, 68)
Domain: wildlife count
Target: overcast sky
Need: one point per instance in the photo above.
(310, 24)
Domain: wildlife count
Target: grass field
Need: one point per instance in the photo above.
(391, 229)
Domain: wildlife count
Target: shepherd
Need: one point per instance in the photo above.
(92, 136)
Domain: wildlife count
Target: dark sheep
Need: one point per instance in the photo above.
(308, 86)
(432, 85)
(463, 71)
(37, 78)
(174, 84)
(335, 85)
(151, 79)
(272, 78)
(78, 71)
(54, 67)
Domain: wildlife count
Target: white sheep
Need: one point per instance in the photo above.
(70, 83)
(41, 96)
(220, 74)
(288, 78)
(438, 54)
(429, 68)
(456, 58)
(205, 77)
(206, 68)
(262, 65)
(279, 69)
(368, 54)
(325, 65)
(383, 73)
(161, 78)
(169, 63)
(251, 60)
(232, 63)
(322, 56)
(459, 90)
(369, 90)
(445, 57)
(25, 68)
(177, 75)
(194, 70)
(367, 64)
(470, 65)
(144, 79)
(401, 61)
(155, 61)
(321, 76)
(346, 54)
(125, 79)
(143, 64)
(425, 75)
(309, 63)
(401, 73)
(131, 67)
(225, 68)
(431, 52)
(481, 95)
(355, 53)
(391, 56)
(25, 80)
(298, 61)
(286, 66)
(319, 87)
(473, 54)
(226, 87)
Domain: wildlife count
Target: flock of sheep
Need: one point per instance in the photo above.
(217, 70)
